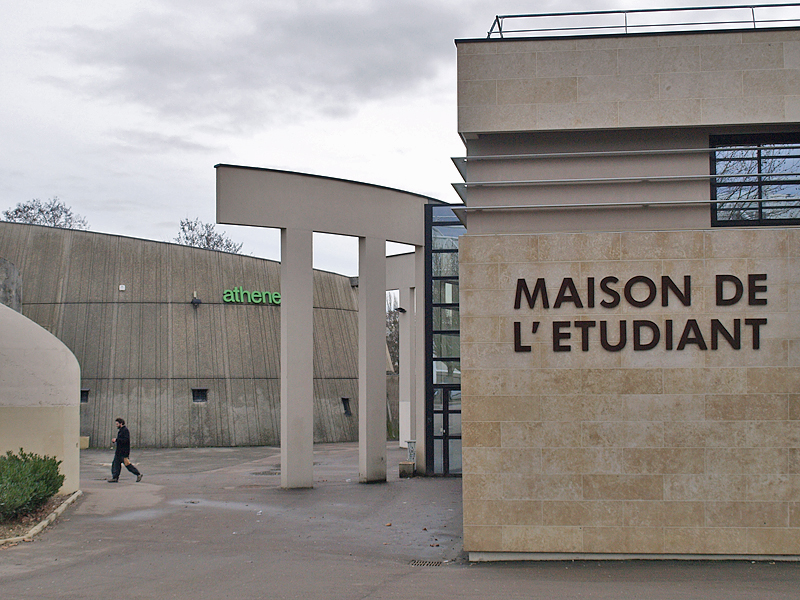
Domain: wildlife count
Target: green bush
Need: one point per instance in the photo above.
(26, 482)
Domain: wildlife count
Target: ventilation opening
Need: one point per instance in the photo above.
(199, 395)
(346, 406)
(426, 563)
(84, 396)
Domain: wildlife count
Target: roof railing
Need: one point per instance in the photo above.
(647, 20)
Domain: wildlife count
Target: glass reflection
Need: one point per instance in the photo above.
(455, 424)
(447, 371)
(444, 264)
(445, 291)
(446, 318)
(446, 345)
(455, 456)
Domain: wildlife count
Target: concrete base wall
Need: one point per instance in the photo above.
(239, 412)
(47, 431)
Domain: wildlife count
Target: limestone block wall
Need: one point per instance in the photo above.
(683, 440)
(647, 80)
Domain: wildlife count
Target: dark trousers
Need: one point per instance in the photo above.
(116, 467)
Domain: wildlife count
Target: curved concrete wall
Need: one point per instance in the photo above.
(142, 349)
(10, 285)
(39, 394)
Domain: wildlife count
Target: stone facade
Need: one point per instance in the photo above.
(633, 81)
(688, 447)
(630, 378)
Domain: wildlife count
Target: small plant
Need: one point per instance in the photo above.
(26, 482)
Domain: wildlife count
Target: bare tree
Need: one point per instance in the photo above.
(749, 182)
(393, 330)
(195, 233)
(53, 213)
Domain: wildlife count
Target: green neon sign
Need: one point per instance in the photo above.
(238, 295)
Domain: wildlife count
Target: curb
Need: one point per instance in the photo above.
(44, 523)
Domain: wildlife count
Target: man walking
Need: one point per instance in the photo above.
(122, 452)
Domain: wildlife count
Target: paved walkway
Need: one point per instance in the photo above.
(212, 524)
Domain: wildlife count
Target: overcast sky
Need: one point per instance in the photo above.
(122, 109)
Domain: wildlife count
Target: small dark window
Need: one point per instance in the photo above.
(346, 406)
(199, 395)
(84, 396)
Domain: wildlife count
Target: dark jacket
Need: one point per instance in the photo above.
(123, 442)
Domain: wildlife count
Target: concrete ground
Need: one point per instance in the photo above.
(212, 523)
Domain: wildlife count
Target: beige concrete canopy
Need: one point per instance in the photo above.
(288, 200)
(300, 204)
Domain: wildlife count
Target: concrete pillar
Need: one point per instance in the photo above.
(406, 321)
(297, 359)
(419, 356)
(371, 359)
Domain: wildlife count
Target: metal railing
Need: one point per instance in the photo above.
(648, 20)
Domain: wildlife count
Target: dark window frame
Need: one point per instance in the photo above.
(760, 206)
(432, 219)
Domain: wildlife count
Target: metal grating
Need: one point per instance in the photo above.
(426, 563)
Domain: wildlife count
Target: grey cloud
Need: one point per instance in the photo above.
(153, 142)
(255, 62)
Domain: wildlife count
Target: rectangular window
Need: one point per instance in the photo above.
(755, 180)
(442, 342)
(199, 395)
(84, 396)
(446, 318)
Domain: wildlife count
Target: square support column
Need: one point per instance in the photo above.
(297, 359)
(408, 426)
(418, 402)
(371, 359)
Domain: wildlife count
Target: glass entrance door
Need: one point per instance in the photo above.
(447, 430)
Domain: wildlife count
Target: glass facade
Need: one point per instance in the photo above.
(442, 341)
(757, 180)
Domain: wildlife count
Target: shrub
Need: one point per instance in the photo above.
(26, 482)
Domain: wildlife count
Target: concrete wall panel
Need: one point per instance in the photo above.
(39, 395)
(10, 285)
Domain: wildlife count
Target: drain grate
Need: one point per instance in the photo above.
(426, 563)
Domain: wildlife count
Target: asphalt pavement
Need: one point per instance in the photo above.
(213, 523)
